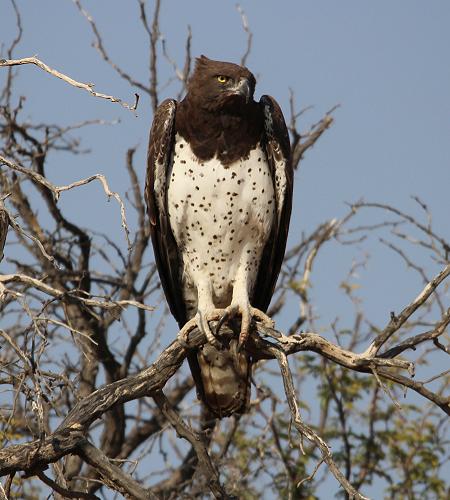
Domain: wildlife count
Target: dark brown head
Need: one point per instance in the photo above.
(217, 85)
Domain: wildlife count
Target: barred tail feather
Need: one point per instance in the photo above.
(225, 376)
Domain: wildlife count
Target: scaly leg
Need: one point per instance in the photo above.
(206, 311)
(240, 305)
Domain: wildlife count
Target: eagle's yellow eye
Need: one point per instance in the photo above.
(222, 79)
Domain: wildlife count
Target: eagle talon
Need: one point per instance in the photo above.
(183, 334)
(248, 315)
(227, 314)
(201, 322)
(261, 317)
(225, 317)
(205, 329)
(240, 346)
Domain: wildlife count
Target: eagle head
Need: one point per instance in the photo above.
(221, 86)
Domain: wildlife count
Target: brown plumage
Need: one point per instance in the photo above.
(219, 195)
(4, 224)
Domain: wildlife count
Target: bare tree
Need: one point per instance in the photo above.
(90, 391)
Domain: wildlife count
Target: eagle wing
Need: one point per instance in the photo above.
(4, 224)
(167, 258)
(278, 151)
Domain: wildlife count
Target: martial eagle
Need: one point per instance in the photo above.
(219, 196)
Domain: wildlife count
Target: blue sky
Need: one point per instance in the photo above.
(386, 63)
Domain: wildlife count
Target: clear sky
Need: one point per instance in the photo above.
(385, 62)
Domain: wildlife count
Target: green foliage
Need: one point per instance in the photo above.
(417, 451)
(373, 441)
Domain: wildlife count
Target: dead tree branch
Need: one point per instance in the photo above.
(198, 445)
(113, 476)
(89, 87)
(71, 433)
(305, 430)
(397, 321)
(99, 46)
(56, 190)
(247, 31)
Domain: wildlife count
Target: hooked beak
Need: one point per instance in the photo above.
(242, 89)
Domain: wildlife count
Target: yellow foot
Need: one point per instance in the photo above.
(247, 313)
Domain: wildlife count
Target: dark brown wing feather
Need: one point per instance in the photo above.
(278, 150)
(4, 224)
(168, 261)
(167, 257)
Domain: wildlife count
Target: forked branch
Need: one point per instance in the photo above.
(70, 437)
(56, 190)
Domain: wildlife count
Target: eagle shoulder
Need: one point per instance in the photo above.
(159, 152)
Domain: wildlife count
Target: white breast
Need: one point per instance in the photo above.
(221, 218)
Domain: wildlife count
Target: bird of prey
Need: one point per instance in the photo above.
(219, 195)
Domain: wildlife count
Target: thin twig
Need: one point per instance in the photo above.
(397, 321)
(98, 44)
(312, 137)
(305, 430)
(20, 230)
(89, 87)
(246, 28)
(113, 475)
(63, 491)
(70, 294)
(154, 37)
(56, 190)
(187, 433)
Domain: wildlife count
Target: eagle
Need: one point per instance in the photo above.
(218, 190)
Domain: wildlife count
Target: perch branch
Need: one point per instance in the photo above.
(67, 438)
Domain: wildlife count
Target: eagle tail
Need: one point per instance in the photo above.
(223, 381)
